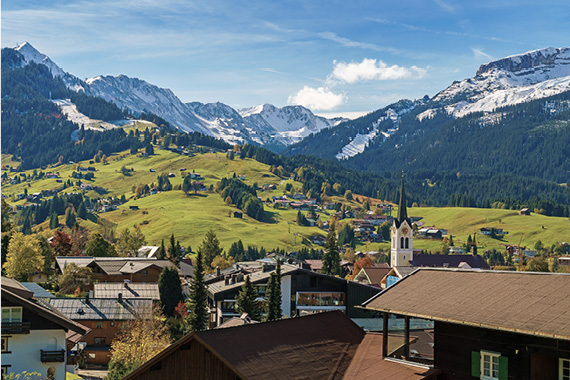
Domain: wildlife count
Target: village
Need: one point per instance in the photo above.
(398, 317)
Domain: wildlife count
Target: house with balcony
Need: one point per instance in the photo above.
(490, 325)
(303, 292)
(33, 335)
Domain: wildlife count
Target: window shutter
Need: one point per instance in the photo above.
(476, 364)
(503, 367)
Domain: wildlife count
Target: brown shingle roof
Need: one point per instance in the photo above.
(318, 346)
(368, 364)
(375, 275)
(524, 302)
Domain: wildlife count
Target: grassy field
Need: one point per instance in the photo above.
(190, 217)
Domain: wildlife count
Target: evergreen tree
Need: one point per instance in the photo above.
(97, 246)
(173, 254)
(474, 252)
(162, 251)
(82, 211)
(331, 258)
(273, 295)
(246, 301)
(70, 218)
(210, 247)
(198, 318)
(170, 289)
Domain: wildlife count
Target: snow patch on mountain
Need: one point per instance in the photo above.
(507, 81)
(361, 141)
(30, 54)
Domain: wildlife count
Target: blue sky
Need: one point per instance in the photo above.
(332, 56)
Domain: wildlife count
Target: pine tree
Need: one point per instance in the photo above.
(246, 301)
(162, 251)
(474, 252)
(331, 257)
(273, 295)
(70, 218)
(170, 289)
(198, 297)
(210, 247)
(82, 211)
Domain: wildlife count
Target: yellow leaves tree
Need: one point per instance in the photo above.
(24, 256)
(221, 262)
(139, 340)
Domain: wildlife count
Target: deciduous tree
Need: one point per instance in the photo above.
(24, 257)
(74, 277)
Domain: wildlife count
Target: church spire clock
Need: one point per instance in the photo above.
(402, 252)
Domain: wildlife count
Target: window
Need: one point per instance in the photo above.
(91, 355)
(5, 345)
(98, 325)
(99, 340)
(11, 314)
(563, 369)
(489, 365)
(401, 242)
(407, 243)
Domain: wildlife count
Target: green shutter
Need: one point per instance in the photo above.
(503, 368)
(476, 364)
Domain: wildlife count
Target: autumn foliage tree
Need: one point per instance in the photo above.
(139, 340)
(24, 257)
(61, 244)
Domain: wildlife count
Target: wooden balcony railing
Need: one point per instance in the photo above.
(15, 327)
(52, 356)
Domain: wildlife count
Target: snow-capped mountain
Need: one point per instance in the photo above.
(265, 125)
(30, 54)
(507, 81)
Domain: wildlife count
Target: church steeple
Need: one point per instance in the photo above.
(402, 209)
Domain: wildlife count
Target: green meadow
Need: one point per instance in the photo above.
(190, 217)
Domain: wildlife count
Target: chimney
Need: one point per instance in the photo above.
(239, 277)
(120, 298)
(227, 280)
(234, 278)
(218, 271)
(87, 301)
(126, 283)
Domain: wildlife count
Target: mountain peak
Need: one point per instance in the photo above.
(531, 60)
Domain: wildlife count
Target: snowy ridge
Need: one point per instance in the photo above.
(262, 125)
(360, 142)
(30, 54)
(507, 81)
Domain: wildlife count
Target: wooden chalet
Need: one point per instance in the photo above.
(487, 324)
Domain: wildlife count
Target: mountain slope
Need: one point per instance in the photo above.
(512, 117)
(265, 125)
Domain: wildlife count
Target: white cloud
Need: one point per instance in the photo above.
(319, 98)
(371, 69)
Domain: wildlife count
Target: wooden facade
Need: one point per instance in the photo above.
(192, 360)
(528, 357)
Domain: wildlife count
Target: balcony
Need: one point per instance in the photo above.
(15, 327)
(52, 356)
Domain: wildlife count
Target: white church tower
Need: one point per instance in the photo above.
(402, 235)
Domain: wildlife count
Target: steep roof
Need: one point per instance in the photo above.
(38, 291)
(128, 291)
(113, 265)
(101, 308)
(523, 302)
(450, 261)
(373, 274)
(316, 346)
(38, 308)
(402, 208)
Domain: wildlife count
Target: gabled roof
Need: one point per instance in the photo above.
(44, 312)
(37, 290)
(101, 308)
(113, 265)
(449, 261)
(522, 302)
(318, 346)
(373, 275)
(255, 277)
(128, 291)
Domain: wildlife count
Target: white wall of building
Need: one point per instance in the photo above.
(286, 295)
(25, 352)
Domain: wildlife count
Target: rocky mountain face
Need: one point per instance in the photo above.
(266, 125)
(512, 117)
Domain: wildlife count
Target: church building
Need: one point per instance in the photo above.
(402, 235)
